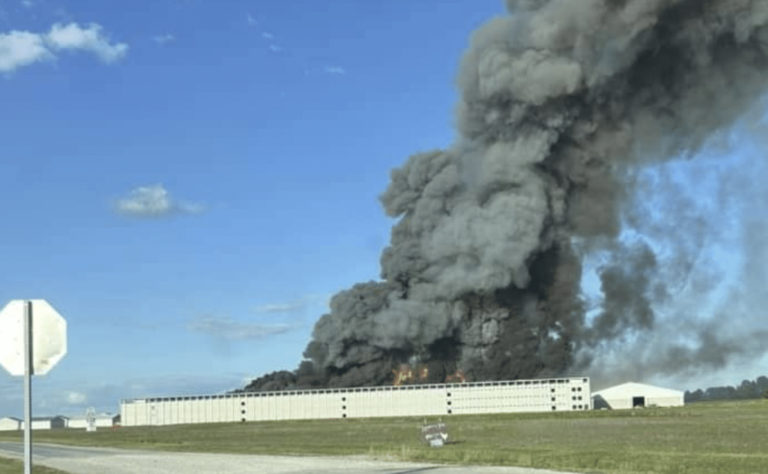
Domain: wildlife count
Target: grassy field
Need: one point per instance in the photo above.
(725, 437)
(12, 466)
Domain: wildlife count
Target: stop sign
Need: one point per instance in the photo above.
(49, 337)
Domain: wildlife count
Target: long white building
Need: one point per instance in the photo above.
(518, 396)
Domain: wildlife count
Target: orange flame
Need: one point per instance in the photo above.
(423, 373)
(406, 374)
(456, 377)
(402, 375)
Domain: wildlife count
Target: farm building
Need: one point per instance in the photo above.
(636, 395)
(101, 420)
(546, 395)
(9, 423)
(48, 422)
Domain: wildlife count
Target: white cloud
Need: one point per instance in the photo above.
(232, 330)
(76, 398)
(72, 36)
(275, 48)
(251, 20)
(28, 3)
(281, 307)
(154, 201)
(22, 48)
(335, 70)
(267, 35)
(162, 39)
(293, 306)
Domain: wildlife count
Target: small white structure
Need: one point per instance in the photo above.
(47, 422)
(90, 420)
(101, 420)
(10, 423)
(636, 395)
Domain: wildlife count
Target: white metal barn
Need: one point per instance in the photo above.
(563, 394)
(10, 423)
(635, 395)
(47, 422)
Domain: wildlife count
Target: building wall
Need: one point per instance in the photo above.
(624, 400)
(665, 401)
(82, 422)
(77, 422)
(616, 403)
(48, 423)
(40, 424)
(9, 424)
(565, 394)
(58, 422)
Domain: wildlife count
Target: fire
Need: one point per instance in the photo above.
(456, 377)
(402, 375)
(424, 373)
(406, 374)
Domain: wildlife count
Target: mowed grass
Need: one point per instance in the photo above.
(12, 466)
(723, 437)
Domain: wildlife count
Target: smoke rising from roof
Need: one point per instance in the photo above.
(561, 104)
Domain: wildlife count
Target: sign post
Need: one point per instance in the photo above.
(33, 339)
(435, 434)
(28, 387)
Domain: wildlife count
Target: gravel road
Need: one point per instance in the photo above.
(80, 460)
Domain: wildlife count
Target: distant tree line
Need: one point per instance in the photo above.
(748, 389)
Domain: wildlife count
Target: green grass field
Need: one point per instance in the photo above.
(12, 466)
(723, 437)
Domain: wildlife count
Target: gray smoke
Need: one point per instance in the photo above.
(689, 340)
(562, 102)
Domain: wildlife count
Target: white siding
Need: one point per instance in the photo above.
(10, 424)
(47, 423)
(39, 424)
(665, 401)
(564, 394)
(101, 421)
(622, 396)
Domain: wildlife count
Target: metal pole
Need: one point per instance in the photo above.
(27, 387)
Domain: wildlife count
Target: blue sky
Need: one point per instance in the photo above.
(188, 182)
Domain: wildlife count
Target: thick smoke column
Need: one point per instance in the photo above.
(560, 102)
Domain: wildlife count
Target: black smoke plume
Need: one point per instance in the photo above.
(561, 103)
